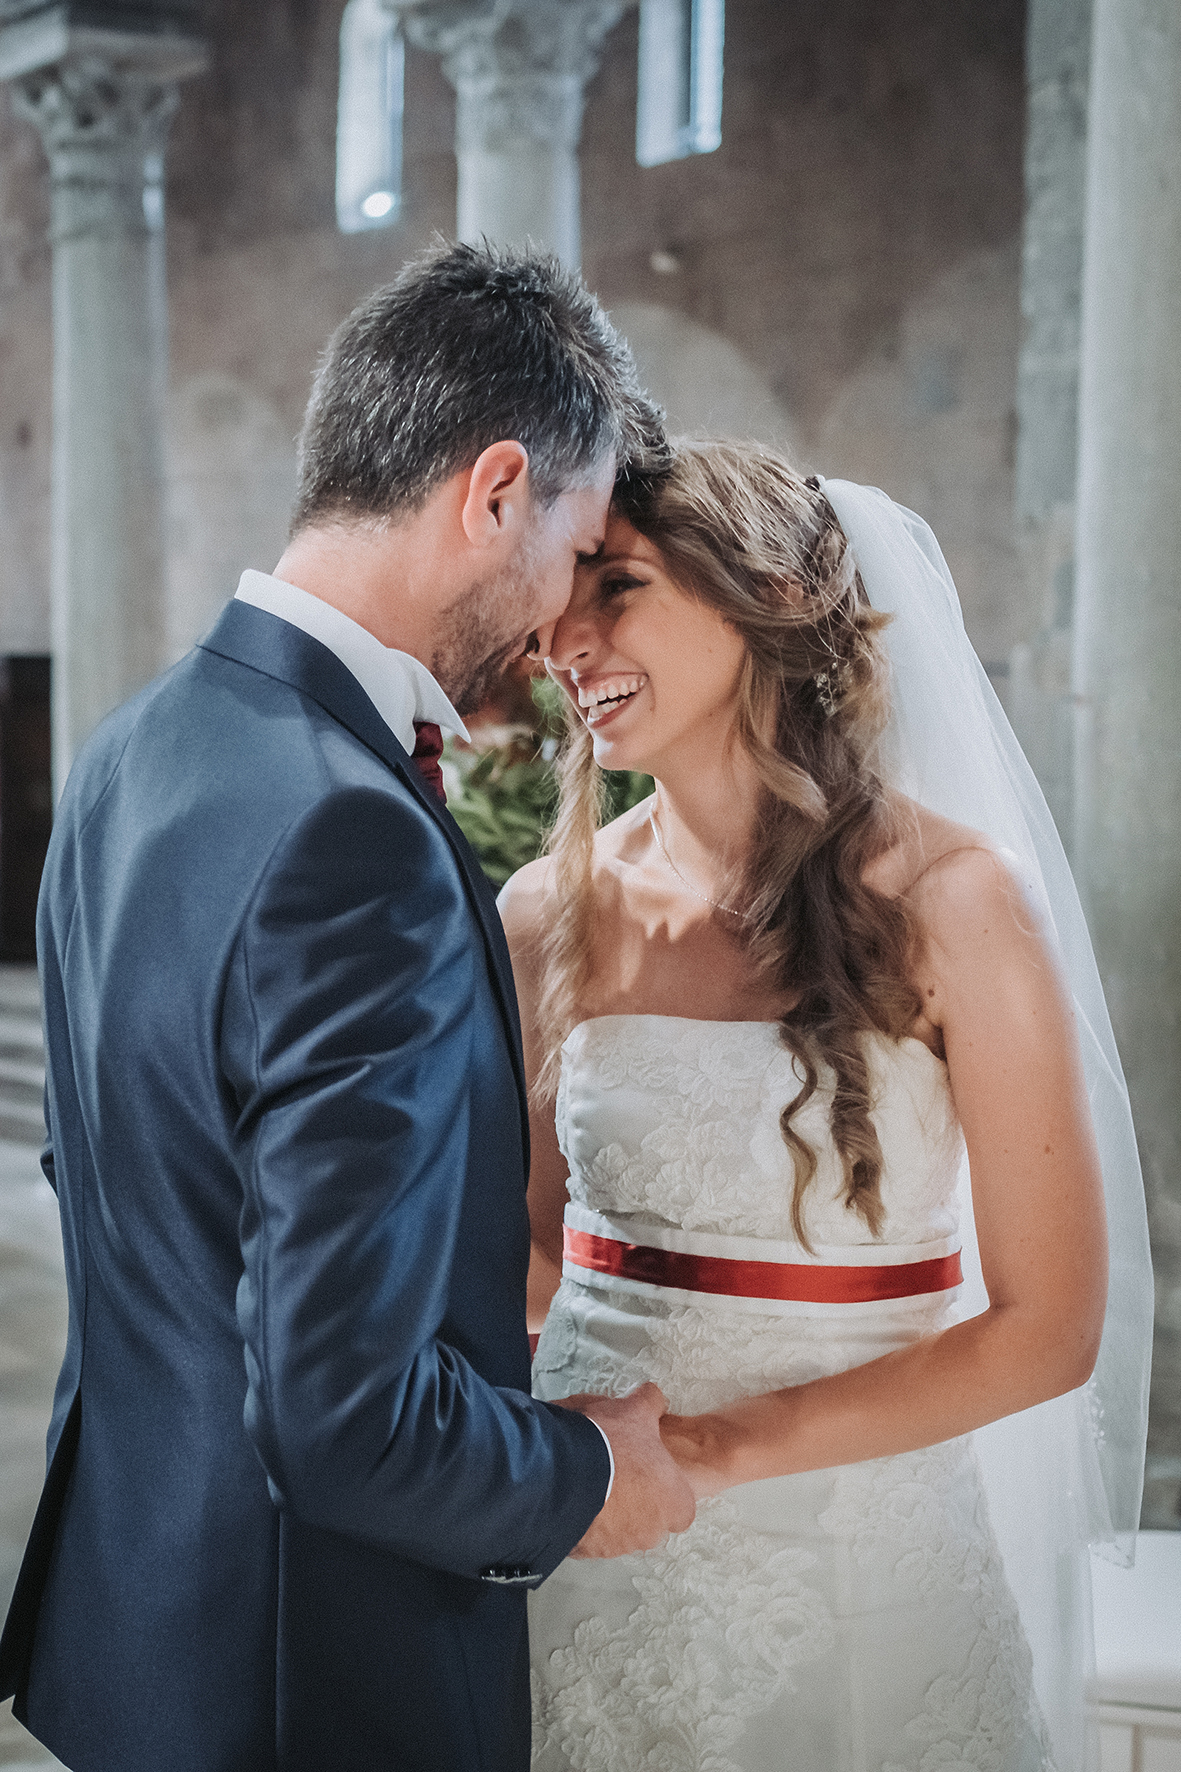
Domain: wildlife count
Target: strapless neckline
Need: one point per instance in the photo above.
(706, 1021)
(676, 1118)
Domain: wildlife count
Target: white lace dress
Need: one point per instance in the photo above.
(846, 1620)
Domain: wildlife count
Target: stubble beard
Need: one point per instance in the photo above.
(482, 632)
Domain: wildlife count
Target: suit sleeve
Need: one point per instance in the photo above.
(347, 1030)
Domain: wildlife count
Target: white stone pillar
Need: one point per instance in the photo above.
(102, 102)
(520, 69)
(1057, 57)
(1128, 622)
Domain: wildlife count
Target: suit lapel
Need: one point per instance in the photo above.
(277, 648)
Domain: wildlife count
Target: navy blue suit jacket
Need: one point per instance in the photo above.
(287, 1131)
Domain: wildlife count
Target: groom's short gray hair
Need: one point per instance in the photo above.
(469, 346)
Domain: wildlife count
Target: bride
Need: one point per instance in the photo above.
(766, 1013)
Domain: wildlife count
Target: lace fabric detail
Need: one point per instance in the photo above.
(684, 1169)
(910, 1510)
(677, 1122)
(722, 1616)
(701, 1358)
(882, 1572)
(917, 1525)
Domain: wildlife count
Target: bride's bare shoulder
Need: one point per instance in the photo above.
(528, 902)
(930, 854)
(527, 899)
(944, 870)
(525, 902)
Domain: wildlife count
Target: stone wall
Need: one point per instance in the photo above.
(857, 239)
(842, 275)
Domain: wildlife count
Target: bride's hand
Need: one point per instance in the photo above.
(699, 1444)
(651, 1496)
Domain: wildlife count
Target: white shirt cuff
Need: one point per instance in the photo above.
(611, 1456)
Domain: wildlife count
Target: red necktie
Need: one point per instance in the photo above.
(428, 748)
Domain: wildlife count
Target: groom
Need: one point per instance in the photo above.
(297, 1487)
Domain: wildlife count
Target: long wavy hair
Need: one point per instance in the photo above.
(738, 528)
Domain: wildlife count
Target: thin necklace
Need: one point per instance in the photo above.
(715, 902)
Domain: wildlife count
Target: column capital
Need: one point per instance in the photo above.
(159, 40)
(99, 79)
(102, 93)
(519, 67)
(104, 131)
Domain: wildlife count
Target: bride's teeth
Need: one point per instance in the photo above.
(615, 689)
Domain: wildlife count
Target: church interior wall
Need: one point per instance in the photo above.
(840, 277)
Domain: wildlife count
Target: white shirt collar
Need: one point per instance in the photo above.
(399, 685)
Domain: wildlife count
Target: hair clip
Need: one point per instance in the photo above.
(828, 691)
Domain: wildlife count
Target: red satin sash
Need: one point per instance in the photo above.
(797, 1282)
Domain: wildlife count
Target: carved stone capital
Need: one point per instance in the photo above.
(519, 67)
(104, 130)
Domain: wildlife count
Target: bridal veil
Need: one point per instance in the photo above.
(1068, 1473)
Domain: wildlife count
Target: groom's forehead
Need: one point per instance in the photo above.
(582, 513)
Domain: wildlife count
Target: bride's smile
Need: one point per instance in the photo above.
(651, 669)
(604, 699)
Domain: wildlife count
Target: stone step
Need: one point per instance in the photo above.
(20, 992)
(22, 1109)
(22, 1057)
(21, 1124)
(19, 1075)
(20, 1015)
(20, 1032)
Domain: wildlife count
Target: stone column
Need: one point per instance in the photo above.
(519, 69)
(1058, 42)
(1128, 622)
(102, 102)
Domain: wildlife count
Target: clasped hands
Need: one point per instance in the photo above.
(662, 1470)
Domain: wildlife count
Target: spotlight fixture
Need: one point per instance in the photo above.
(369, 118)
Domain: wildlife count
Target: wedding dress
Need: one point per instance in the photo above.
(862, 1618)
(847, 1620)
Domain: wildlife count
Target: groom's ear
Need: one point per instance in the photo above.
(498, 493)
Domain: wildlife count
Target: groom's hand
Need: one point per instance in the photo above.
(650, 1496)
